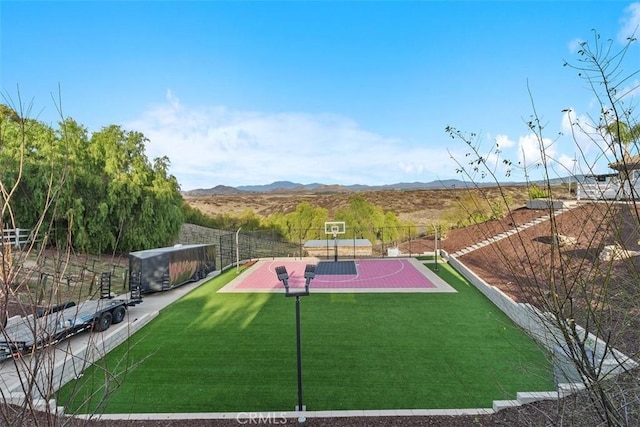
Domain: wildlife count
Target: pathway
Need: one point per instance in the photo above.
(517, 229)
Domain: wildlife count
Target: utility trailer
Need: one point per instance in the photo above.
(25, 335)
(160, 269)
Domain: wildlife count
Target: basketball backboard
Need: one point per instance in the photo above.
(334, 228)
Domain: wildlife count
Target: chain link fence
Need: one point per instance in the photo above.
(239, 245)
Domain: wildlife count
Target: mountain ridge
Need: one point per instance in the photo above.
(292, 187)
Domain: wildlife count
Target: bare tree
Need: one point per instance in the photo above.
(38, 280)
(579, 270)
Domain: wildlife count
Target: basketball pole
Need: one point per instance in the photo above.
(309, 273)
(334, 228)
(300, 407)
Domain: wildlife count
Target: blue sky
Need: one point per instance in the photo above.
(240, 93)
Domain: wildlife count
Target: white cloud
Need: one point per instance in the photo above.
(565, 165)
(483, 161)
(629, 92)
(575, 45)
(581, 130)
(503, 141)
(209, 146)
(532, 150)
(630, 23)
(578, 148)
(587, 139)
(584, 143)
(411, 167)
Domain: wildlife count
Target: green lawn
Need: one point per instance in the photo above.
(213, 352)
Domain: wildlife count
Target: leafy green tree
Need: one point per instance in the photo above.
(79, 193)
(100, 190)
(394, 230)
(142, 201)
(535, 192)
(8, 113)
(27, 165)
(76, 193)
(623, 134)
(363, 219)
(471, 208)
(307, 221)
(249, 220)
(277, 221)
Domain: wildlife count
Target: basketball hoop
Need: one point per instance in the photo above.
(334, 228)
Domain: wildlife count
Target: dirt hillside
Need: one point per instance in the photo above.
(418, 206)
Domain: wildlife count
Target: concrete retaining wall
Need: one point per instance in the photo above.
(544, 204)
(524, 315)
(540, 326)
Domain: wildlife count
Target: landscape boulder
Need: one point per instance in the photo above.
(560, 240)
(616, 252)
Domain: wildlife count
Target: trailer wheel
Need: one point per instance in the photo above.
(103, 322)
(118, 314)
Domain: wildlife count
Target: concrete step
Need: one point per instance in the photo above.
(535, 396)
(499, 405)
(507, 233)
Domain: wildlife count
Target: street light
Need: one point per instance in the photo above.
(283, 276)
(238, 251)
(435, 244)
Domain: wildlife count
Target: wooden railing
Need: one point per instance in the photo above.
(17, 237)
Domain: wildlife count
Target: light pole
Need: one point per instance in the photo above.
(575, 178)
(435, 245)
(238, 251)
(283, 276)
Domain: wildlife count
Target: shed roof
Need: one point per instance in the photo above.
(341, 242)
(627, 162)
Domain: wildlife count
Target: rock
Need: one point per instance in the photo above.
(560, 240)
(616, 252)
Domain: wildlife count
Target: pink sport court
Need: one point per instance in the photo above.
(361, 275)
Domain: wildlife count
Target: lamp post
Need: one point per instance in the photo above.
(435, 245)
(238, 251)
(283, 276)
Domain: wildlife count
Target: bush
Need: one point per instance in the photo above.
(536, 192)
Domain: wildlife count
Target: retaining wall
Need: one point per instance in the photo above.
(540, 326)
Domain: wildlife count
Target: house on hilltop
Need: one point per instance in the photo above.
(620, 185)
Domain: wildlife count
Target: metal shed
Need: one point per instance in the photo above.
(346, 248)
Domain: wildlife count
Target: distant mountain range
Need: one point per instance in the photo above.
(292, 187)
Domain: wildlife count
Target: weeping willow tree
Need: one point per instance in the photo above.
(101, 189)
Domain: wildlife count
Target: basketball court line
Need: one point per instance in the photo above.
(388, 275)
